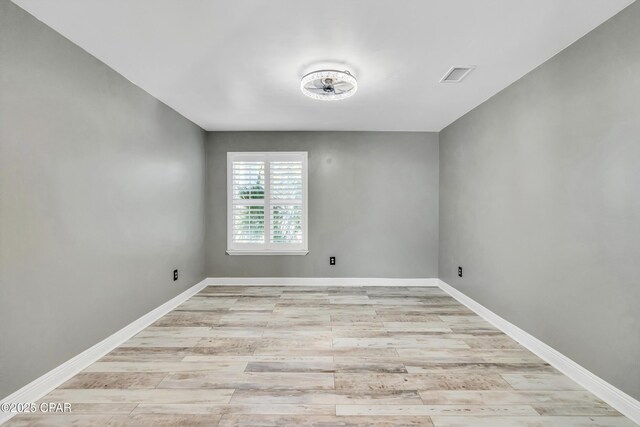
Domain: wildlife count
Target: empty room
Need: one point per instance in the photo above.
(357, 213)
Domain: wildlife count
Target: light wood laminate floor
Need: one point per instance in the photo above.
(323, 356)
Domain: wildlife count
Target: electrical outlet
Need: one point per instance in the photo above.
(459, 271)
(175, 275)
(332, 260)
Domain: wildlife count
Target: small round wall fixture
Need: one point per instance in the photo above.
(329, 85)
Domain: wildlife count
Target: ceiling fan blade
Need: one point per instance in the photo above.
(343, 86)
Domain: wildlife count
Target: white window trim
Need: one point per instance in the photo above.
(266, 252)
(268, 157)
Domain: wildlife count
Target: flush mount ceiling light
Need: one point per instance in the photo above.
(329, 85)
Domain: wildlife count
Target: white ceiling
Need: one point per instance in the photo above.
(237, 64)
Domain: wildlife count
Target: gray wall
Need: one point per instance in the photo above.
(101, 197)
(373, 203)
(540, 202)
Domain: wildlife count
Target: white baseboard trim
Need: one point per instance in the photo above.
(619, 400)
(319, 281)
(41, 386)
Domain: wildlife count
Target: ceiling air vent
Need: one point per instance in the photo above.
(456, 74)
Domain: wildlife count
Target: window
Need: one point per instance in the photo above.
(267, 203)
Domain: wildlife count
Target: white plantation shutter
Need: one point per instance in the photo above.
(267, 198)
(248, 181)
(286, 202)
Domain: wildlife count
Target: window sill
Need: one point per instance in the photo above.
(245, 252)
